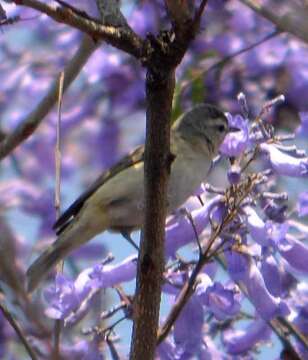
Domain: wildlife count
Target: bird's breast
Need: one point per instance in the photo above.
(186, 176)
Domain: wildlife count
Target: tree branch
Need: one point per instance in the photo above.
(186, 291)
(200, 11)
(11, 273)
(123, 38)
(33, 120)
(179, 12)
(167, 53)
(58, 322)
(18, 331)
(110, 13)
(294, 22)
(151, 256)
(225, 60)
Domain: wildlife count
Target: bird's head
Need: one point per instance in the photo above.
(204, 127)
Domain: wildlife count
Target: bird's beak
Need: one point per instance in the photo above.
(233, 129)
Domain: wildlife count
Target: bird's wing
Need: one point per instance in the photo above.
(129, 160)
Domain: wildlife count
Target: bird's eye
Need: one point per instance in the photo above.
(221, 128)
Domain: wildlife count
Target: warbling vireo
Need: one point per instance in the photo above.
(115, 200)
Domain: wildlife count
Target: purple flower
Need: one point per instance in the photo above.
(271, 273)
(237, 265)
(179, 230)
(14, 192)
(204, 282)
(241, 341)
(299, 304)
(67, 297)
(256, 226)
(234, 174)
(31, 199)
(235, 143)
(276, 232)
(175, 282)
(110, 275)
(221, 302)
(62, 298)
(188, 339)
(303, 129)
(264, 233)
(302, 205)
(242, 18)
(265, 304)
(226, 43)
(42, 206)
(108, 141)
(285, 164)
(242, 268)
(90, 251)
(275, 212)
(218, 213)
(144, 19)
(211, 350)
(294, 252)
(166, 350)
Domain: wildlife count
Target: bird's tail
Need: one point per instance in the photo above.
(44, 263)
(71, 238)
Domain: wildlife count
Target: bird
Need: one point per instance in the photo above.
(115, 201)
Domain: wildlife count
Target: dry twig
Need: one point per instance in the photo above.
(18, 331)
(33, 120)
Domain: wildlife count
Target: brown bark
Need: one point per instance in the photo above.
(167, 51)
(160, 89)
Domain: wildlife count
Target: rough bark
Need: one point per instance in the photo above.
(168, 49)
(160, 88)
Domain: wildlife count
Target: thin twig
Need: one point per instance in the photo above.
(113, 351)
(294, 331)
(18, 331)
(58, 149)
(288, 347)
(253, 157)
(199, 12)
(33, 120)
(14, 19)
(184, 295)
(193, 225)
(58, 323)
(123, 38)
(109, 313)
(73, 8)
(295, 25)
(179, 13)
(228, 58)
(105, 332)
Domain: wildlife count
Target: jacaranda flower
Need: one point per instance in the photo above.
(236, 143)
(284, 164)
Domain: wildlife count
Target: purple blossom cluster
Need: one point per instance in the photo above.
(254, 247)
(260, 254)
